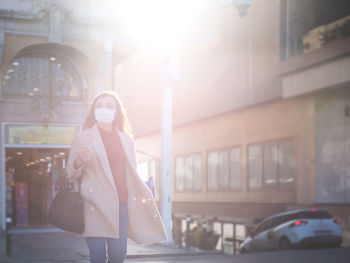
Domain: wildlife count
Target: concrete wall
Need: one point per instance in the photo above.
(292, 118)
(226, 62)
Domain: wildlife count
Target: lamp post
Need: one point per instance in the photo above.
(170, 73)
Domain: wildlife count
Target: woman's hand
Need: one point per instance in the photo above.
(83, 157)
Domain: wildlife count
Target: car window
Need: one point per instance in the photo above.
(314, 214)
(257, 230)
(267, 225)
(290, 217)
(278, 220)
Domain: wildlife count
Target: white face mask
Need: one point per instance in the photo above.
(104, 115)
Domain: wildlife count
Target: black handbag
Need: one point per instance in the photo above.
(67, 210)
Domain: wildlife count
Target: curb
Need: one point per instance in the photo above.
(133, 256)
(159, 255)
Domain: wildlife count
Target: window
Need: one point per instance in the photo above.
(235, 168)
(42, 76)
(142, 169)
(147, 169)
(317, 214)
(285, 160)
(300, 23)
(180, 173)
(254, 166)
(188, 172)
(271, 165)
(278, 220)
(224, 169)
(212, 171)
(149, 173)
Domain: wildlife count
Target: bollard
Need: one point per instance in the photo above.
(8, 236)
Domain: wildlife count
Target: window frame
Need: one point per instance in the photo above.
(193, 188)
(228, 188)
(278, 185)
(60, 59)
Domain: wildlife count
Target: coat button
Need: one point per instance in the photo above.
(91, 190)
(92, 208)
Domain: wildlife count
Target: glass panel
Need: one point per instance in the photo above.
(42, 76)
(240, 232)
(235, 163)
(217, 231)
(197, 172)
(270, 165)
(188, 173)
(329, 164)
(213, 171)
(180, 173)
(254, 167)
(153, 169)
(228, 238)
(142, 169)
(332, 124)
(223, 170)
(30, 134)
(286, 164)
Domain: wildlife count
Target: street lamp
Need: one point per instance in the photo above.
(170, 70)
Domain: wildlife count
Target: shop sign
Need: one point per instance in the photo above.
(39, 134)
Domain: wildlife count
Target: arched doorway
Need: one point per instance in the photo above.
(36, 151)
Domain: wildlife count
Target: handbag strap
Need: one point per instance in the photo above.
(79, 181)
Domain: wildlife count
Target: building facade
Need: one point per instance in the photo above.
(260, 115)
(260, 112)
(54, 56)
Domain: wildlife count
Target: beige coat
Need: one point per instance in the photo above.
(100, 195)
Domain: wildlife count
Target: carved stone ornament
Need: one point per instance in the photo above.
(56, 25)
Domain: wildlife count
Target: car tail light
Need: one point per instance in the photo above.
(298, 223)
(314, 210)
(337, 221)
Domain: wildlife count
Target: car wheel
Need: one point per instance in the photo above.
(284, 244)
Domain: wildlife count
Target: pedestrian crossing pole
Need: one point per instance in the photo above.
(169, 76)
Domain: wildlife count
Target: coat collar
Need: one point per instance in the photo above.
(98, 146)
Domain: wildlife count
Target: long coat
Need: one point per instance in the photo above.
(101, 205)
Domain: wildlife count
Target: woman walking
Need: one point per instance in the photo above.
(117, 204)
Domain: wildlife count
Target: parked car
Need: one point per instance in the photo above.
(295, 229)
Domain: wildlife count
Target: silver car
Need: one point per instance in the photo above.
(295, 229)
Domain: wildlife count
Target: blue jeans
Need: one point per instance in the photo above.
(116, 248)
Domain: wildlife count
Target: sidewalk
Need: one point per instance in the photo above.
(66, 247)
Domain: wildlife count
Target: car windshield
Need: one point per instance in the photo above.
(318, 214)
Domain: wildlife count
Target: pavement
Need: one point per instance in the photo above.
(67, 247)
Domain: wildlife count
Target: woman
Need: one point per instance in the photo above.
(117, 204)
